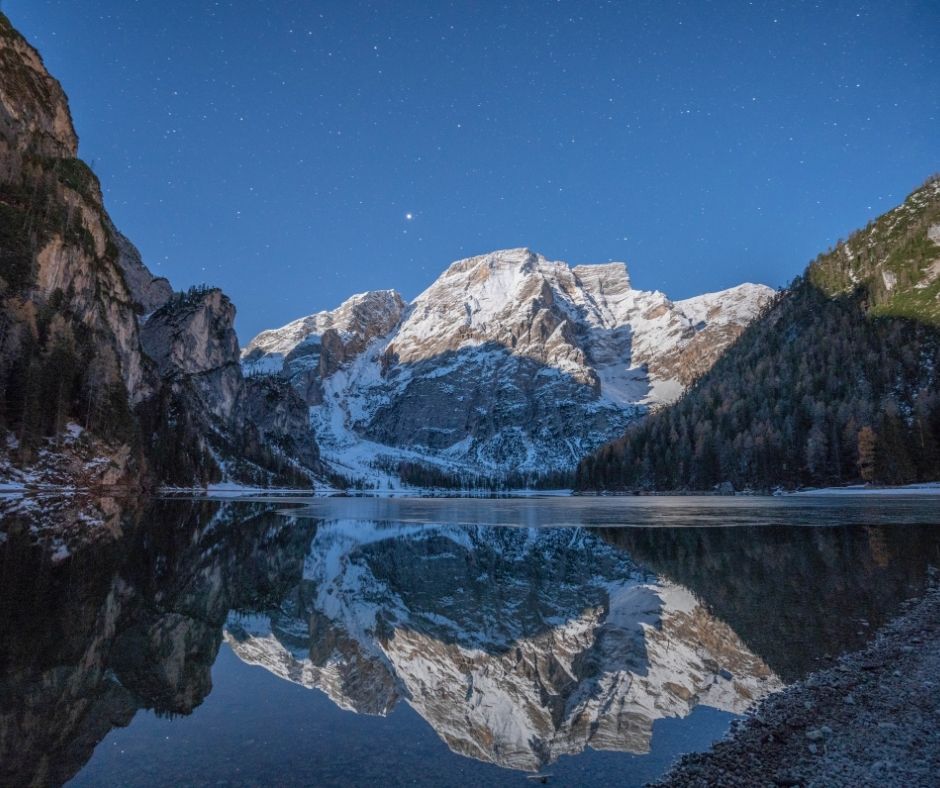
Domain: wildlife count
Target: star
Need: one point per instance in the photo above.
(409, 216)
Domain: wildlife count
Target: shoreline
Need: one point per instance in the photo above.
(222, 490)
(915, 488)
(873, 718)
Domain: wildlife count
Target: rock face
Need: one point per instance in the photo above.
(69, 340)
(313, 348)
(496, 639)
(269, 405)
(149, 292)
(252, 431)
(192, 340)
(508, 361)
(34, 113)
(106, 376)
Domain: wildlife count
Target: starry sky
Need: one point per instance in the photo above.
(298, 151)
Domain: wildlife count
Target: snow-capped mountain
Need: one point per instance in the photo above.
(508, 361)
(483, 631)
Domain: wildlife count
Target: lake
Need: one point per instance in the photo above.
(368, 641)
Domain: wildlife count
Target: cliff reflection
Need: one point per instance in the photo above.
(123, 616)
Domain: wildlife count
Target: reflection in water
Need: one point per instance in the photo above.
(794, 595)
(132, 620)
(516, 645)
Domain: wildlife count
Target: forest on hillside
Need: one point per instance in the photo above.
(815, 392)
(835, 382)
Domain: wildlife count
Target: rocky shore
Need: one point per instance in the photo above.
(873, 719)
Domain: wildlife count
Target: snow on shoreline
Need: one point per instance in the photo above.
(925, 488)
(16, 487)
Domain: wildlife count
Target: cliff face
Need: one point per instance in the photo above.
(69, 344)
(34, 113)
(150, 292)
(313, 348)
(279, 415)
(241, 430)
(192, 340)
(106, 377)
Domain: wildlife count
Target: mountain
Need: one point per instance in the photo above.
(507, 362)
(106, 376)
(516, 645)
(836, 382)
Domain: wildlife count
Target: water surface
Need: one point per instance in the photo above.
(404, 641)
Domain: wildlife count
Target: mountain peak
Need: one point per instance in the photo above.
(472, 373)
(520, 257)
(33, 108)
(358, 320)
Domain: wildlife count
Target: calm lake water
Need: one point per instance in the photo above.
(430, 642)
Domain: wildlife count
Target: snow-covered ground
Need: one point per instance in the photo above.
(927, 488)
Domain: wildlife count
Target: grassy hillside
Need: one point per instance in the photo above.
(895, 259)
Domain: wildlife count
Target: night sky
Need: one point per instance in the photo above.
(296, 156)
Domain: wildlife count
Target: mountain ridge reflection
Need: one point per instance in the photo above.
(516, 645)
(129, 618)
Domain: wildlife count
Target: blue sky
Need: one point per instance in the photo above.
(278, 149)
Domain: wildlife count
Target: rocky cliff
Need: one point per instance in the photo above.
(508, 361)
(309, 350)
(245, 430)
(106, 377)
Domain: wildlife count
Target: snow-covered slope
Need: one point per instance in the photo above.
(482, 631)
(508, 361)
(728, 306)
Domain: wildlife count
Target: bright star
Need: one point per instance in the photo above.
(409, 216)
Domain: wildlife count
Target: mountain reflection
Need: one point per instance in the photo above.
(516, 645)
(122, 613)
(795, 595)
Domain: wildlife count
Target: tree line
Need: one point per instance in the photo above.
(816, 391)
